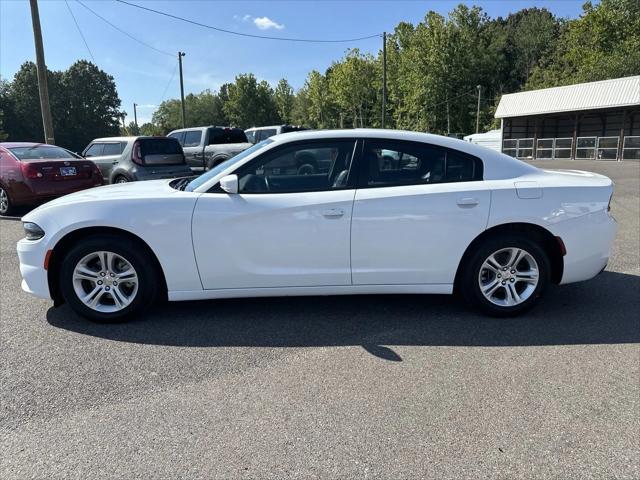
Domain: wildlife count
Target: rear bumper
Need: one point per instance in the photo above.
(588, 240)
(34, 277)
(142, 174)
(33, 194)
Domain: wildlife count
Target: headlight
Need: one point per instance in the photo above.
(32, 231)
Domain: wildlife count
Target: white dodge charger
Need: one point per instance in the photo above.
(325, 213)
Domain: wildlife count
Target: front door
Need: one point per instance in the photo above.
(284, 228)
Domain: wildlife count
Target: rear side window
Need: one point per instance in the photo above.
(192, 138)
(251, 136)
(394, 163)
(266, 133)
(94, 150)
(160, 146)
(113, 148)
(219, 136)
(178, 136)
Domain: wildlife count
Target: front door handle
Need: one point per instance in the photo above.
(333, 213)
(467, 202)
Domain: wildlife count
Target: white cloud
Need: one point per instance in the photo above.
(244, 18)
(265, 23)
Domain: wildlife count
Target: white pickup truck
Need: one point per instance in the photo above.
(206, 147)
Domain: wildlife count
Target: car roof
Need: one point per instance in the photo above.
(201, 128)
(267, 126)
(25, 144)
(126, 139)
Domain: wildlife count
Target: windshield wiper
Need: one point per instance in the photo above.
(182, 183)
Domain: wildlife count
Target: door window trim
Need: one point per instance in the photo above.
(363, 169)
(352, 177)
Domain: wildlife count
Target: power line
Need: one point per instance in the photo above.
(164, 93)
(264, 37)
(79, 30)
(123, 31)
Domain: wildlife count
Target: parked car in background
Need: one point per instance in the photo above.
(207, 147)
(129, 159)
(257, 134)
(446, 216)
(32, 173)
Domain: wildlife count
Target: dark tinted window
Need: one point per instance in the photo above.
(192, 138)
(94, 150)
(178, 136)
(299, 168)
(113, 148)
(226, 135)
(390, 163)
(159, 146)
(40, 152)
(266, 133)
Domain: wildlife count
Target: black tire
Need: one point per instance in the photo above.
(215, 162)
(469, 281)
(120, 179)
(149, 279)
(6, 205)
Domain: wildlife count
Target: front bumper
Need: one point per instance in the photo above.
(34, 277)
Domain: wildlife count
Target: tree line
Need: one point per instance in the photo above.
(433, 70)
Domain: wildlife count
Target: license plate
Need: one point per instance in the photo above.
(67, 171)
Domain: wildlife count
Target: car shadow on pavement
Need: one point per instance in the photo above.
(602, 310)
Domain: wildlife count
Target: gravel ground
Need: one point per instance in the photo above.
(393, 387)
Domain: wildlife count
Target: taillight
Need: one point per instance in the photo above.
(136, 154)
(96, 173)
(30, 171)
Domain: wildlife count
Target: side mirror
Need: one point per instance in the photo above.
(229, 183)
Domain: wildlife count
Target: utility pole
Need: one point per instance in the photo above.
(384, 78)
(42, 74)
(135, 114)
(184, 116)
(479, 87)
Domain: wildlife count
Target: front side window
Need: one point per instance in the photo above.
(94, 150)
(192, 138)
(304, 167)
(393, 163)
(178, 136)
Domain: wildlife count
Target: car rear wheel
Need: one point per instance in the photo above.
(506, 275)
(6, 208)
(108, 278)
(121, 179)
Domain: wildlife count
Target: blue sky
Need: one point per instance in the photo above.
(143, 75)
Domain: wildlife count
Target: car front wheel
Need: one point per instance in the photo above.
(506, 275)
(108, 279)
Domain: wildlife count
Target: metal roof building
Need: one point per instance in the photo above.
(596, 120)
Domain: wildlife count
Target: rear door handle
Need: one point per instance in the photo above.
(467, 202)
(333, 213)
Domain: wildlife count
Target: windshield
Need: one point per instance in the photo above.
(196, 182)
(41, 152)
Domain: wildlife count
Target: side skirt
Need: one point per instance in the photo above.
(182, 295)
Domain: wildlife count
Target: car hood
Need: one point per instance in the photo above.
(121, 191)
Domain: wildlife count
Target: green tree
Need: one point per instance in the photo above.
(250, 103)
(603, 43)
(150, 129)
(204, 108)
(284, 98)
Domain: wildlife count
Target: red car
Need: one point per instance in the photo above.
(33, 173)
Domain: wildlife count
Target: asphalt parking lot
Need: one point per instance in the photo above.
(392, 387)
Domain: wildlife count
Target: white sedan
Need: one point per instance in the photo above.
(396, 212)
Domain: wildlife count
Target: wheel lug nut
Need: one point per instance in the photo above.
(107, 288)
(513, 271)
(499, 276)
(99, 282)
(113, 274)
(513, 280)
(115, 283)
(503, 282)
(102, 274)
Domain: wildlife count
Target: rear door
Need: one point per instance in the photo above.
(193, 146)
(417, 209)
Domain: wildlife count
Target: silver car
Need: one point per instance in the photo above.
(129, 159)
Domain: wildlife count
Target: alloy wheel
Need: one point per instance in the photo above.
(105, 281)
(508, 277)
(4, 201)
